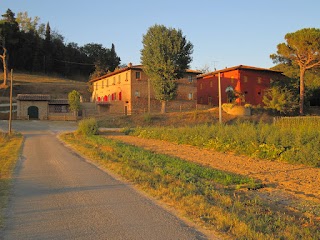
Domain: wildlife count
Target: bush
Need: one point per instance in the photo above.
(88, 127)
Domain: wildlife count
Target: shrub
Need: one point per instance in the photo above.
(88, 127)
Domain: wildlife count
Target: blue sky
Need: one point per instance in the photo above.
(224, 33)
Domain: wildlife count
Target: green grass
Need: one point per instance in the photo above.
(9, 153)
(298, 143)
(213, 199)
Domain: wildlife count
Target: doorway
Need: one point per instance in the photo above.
(33, 112)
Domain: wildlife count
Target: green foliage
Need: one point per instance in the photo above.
(301, 49)
(74, 100)
(280, 99)
(207, 196)
(104, 59)
(295, 143)
(88, 127)
(166, 55)
(33, 47)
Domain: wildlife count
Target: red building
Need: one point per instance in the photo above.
(243, 84)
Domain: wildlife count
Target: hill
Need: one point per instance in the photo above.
(57, 87)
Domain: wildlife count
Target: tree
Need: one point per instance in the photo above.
(280, 99)
(74, 101)
(302, 48)
(166, 54)
(104, 59)
(8, 30)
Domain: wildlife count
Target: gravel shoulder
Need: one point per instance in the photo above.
(285, 184)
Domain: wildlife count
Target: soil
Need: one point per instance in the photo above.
(295, 187)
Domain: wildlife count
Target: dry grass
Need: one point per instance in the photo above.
(57, 87)
(213, 199)
(9, 152)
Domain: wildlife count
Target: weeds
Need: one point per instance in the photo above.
(215, 199)
(9, 151)
(294, 144)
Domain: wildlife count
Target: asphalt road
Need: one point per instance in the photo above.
(58, 195)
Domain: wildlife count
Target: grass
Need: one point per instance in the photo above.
(298, 143)
(214, 199)
(9, 152)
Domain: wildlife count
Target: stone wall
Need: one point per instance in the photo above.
(23, 106)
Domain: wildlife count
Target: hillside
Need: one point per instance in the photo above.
(57, 87)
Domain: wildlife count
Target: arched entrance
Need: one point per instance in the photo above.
(33, 112)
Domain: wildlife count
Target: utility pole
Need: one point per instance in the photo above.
(10, 113)
(220, 104)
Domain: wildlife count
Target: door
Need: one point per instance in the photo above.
(33, 112)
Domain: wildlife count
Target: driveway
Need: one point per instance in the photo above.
(58, 195)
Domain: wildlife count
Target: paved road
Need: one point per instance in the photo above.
(58, 195)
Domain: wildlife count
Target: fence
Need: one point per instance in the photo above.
(294, 121)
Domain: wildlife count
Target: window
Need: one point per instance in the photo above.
(190, 79)
(259, 80)
(245, 79)
(107, 83)
(190, 96)
(210, 100)
(126, 77)
(200, 86)
(211, 83)
(138, 75)
(137, 93)
(232, 79)
(119, 79)
(114, 81)
(96, 85)
(102, 84)
(120, 96)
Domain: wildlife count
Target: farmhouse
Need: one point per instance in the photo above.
(127, 91)
(42, 107)
(242, 84)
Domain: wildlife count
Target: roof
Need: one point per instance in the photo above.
(239, 67)
(59, 102)
(117, 71)
(131, 67)
(33, 97)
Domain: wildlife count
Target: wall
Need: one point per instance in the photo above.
(251, 83)
(134, 93)
(208, 91)
(22, 109)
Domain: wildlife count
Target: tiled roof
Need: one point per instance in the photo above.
(59, 102)
(33, 97)
(239, 67)
(132, 67)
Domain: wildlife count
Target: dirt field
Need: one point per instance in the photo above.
(293, 186)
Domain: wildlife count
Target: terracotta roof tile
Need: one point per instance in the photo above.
(33, 97)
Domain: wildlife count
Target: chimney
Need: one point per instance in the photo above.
(129, 64)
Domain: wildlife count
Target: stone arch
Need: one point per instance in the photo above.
(33, 112)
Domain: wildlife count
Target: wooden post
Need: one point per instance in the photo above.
(220, 102)
(10, 113)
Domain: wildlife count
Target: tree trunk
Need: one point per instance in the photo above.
(4, 62)
(301, 103)
(163, 106)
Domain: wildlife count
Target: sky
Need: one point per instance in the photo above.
(224, 33)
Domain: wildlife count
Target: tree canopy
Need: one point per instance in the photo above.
(74, 100)
(33, 47)
(166, 54)
(302, 49)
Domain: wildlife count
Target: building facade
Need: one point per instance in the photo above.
(42, 107)
(127, 91)
(240, 84)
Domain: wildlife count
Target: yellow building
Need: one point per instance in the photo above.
(127, 91)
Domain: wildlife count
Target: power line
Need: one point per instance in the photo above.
(86, 64)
